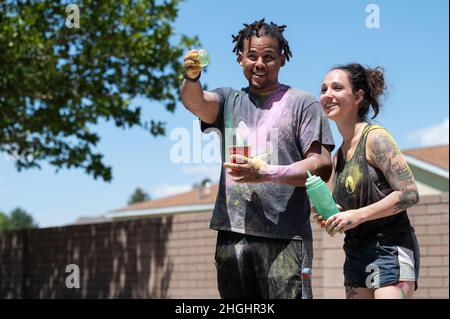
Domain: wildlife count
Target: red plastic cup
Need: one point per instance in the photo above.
(243, 150)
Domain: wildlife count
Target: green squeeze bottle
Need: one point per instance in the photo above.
(320, 196)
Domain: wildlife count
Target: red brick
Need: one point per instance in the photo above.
(317, 292)
(417, 210)
(211, 275)
(438, 293)
(334, 293)
(423, 249)
(205, 250)
(179, 275)
(427, 220)
(197, 275)
(176, 243)
(439, 208)
(421, 230)
(209, 283)
(431, 261)
(317, 263)
(192, 242)
(437, 272)
(424, 271)
(421, 292)
(186, 266)
(437, 229)
(174, 251)
(180, 259)
(438, 250)
(444, 198)
(195, 234)
(431, 282)
(333, 277)
(206, 267)
(179, 226)
(195, 226)
(429, 240)
(429, 199)
(186, 284)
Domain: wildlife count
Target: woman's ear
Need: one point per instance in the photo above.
(359, 97)
(239, 58)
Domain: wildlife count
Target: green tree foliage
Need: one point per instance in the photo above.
(17, 219)
(5, 223)
(57, 82)
(138, 196)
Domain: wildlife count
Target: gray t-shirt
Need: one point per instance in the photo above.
(280, 132)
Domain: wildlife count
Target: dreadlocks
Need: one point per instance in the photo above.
(260, 28)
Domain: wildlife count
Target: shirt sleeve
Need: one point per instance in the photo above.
(218, 124)
(314, 126)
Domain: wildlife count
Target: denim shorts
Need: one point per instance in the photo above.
(382, 261)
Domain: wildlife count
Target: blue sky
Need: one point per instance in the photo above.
(411, 44)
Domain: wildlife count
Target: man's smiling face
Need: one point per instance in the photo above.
(261, 61)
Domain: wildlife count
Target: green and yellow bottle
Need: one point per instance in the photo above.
(320, 196)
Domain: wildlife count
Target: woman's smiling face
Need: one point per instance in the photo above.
(337, 97)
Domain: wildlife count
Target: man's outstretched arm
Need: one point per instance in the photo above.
(204, 104)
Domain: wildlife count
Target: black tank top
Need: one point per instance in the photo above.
(357, 184)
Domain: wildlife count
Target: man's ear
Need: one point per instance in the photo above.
(283, 59)
(239, 58)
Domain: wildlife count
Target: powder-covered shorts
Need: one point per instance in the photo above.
(263, 268)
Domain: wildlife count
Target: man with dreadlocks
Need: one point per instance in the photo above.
(264, 242)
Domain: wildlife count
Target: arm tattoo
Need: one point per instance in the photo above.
(407, 199)
(397, 171)
(384, 149)
(403, 173)
(399, 175)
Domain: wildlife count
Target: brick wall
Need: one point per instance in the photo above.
(173, 257)
(430, 219)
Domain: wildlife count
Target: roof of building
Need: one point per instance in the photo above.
(434, 155)
(92, 220)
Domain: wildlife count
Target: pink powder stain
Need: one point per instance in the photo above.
(277, 116)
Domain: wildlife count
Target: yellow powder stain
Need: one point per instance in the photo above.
(353, 179)
(349, 184)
